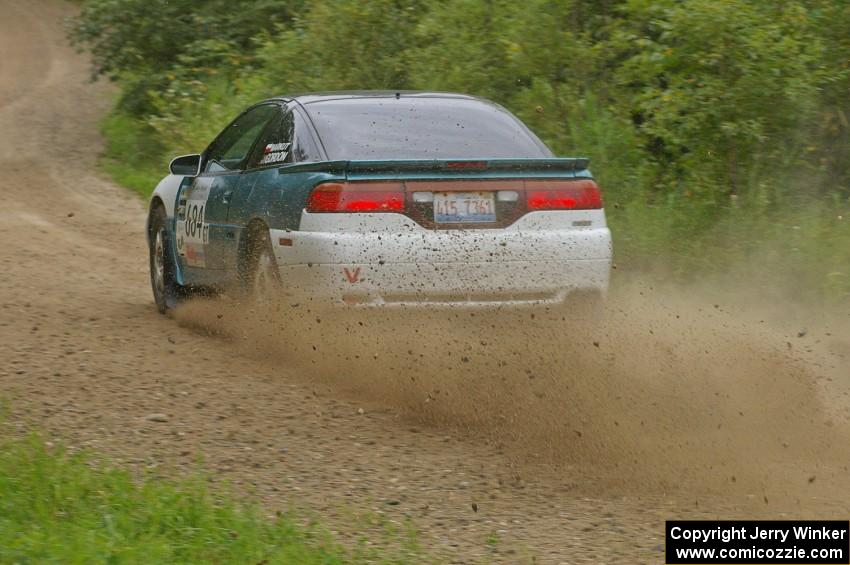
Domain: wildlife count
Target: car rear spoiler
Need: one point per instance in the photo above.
(566, 164)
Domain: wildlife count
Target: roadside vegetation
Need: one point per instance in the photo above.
(60, 507)
(719, 129)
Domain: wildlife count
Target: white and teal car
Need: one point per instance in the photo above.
(379, 199)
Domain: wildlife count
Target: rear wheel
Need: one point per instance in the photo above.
(261, 278)
(166, 292)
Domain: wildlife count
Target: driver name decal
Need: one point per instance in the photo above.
(275, 153)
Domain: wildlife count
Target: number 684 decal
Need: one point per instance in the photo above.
(193, 232)
(194, 228)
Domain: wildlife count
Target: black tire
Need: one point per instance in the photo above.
(166, 292)
(260, 276)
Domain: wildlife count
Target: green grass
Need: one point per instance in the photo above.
(58, 507)
(794, 250)
(133, 156)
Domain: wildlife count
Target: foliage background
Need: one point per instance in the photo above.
(719, 129)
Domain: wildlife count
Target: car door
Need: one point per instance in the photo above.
(287, 140)
(206, 239)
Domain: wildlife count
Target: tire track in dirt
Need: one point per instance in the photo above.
(86, 357)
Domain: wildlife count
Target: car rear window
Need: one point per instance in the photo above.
(421, 128)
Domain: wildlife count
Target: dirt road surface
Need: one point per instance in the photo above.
(573, 448)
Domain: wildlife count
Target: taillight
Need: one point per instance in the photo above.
(357, 197)
(563, 195)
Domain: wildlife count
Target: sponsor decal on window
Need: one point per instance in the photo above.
(275, 153)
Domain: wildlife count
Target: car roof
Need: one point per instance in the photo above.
(313, 97)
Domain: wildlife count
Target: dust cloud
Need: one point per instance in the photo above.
(669, 393)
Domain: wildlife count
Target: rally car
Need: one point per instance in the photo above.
(379, 199)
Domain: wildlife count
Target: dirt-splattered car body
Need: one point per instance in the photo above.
(377, 199)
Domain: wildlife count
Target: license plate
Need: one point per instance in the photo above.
(464, 207)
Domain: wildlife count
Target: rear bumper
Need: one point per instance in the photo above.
(445, 284)
(454, 269)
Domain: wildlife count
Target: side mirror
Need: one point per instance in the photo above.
(186, 165)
